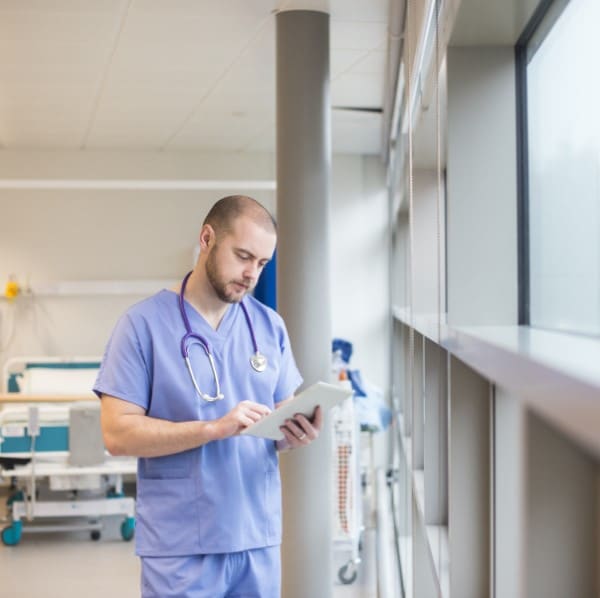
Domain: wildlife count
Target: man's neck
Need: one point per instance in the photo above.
(200, 294)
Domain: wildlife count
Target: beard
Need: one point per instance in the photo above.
(219, 284)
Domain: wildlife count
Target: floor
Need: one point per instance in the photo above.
(71, 565)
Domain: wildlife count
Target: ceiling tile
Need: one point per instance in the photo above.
(35, 56)
(142, 106)
(357, 90)
(33, 132)
(250, 103)
(61, 6)
(265, 142)
(358, 133)
(341, 60)
(226, 140)
(205, 9)
(217, 123)
(26, 28)
(184, 72)
(351, 35)
(166, 29)
(126, 136)
(373, 63)
(360, 10)
(55, 98)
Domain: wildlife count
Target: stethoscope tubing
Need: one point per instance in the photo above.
(190, 335)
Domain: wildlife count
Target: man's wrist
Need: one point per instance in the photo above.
(211, 430)
(282, 445)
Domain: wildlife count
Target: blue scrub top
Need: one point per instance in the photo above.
(226, 495)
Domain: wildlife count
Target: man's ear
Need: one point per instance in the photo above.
(207, 237)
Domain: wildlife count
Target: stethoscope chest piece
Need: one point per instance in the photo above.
(258, 362)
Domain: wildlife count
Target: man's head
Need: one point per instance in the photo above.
(237, 239)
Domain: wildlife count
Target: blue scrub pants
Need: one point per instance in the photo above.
(249, 574)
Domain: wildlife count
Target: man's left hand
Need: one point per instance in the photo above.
(300, 430)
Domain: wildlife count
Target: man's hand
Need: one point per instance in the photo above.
(301, 431)
(241, 416)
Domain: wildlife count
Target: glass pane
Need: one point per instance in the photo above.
(564, 173)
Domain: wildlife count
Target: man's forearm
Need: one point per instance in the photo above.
(142, 436)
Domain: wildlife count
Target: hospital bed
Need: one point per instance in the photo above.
(51, 451)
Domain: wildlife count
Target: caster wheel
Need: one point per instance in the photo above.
(11, 535)
(127, 529)
(95, 535)
(348, 573)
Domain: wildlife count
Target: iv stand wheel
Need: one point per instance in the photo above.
(128, 528)
(348, 573)
(11, 535)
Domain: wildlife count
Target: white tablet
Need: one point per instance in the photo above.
(321, 393)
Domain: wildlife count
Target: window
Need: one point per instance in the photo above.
(563, 139)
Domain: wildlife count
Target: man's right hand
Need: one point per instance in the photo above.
(128, 431)
(244, 414)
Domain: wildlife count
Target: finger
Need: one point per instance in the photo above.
(244, 421)
(317, 418)
(291, 438)
(294, 428)
(254, 416)
(256, 407)
(306, 426)
(304, 436)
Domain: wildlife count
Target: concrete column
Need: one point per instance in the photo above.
(303, 295)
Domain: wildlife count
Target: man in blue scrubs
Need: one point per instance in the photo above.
(208, 500)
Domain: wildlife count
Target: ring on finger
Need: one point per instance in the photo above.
(302, 436)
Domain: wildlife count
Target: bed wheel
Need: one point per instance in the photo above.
(14, 497)
(95, 535)
(11, 535)
(348, 573)
(127, 528)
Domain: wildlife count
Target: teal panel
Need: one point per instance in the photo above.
(82, 365)
(51, 438)
(12, 382)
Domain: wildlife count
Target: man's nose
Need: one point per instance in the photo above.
(251, 271)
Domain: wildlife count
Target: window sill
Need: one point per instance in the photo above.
(554, 373)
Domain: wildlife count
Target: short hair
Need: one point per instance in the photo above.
(223, 213)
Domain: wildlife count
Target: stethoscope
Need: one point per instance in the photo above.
(258, 361)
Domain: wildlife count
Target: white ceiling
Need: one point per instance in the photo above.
(173, 75)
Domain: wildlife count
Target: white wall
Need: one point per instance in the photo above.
(359, 237)
(73, 235)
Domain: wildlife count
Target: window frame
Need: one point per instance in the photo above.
(537, 29)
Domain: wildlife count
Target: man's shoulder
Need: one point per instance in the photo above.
(149, 307)
(257, 308)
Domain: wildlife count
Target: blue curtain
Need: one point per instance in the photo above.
(266, 288)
